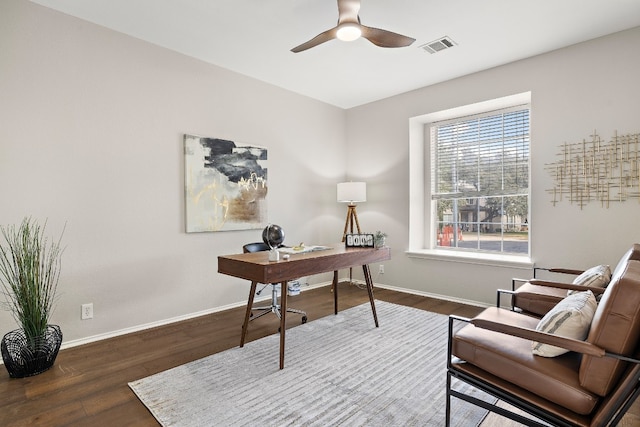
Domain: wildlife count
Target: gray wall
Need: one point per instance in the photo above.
(574, 91)
(91, 128)
(91, 125)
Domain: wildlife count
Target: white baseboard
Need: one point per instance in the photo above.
(138, 328)
(430, 295)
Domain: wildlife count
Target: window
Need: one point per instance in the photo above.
(479, 183)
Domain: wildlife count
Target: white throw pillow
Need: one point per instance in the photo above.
(570, 318)
(597, 277)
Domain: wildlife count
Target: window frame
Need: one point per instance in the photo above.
(421, 213)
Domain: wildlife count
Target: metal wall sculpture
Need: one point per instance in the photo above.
(597, 170)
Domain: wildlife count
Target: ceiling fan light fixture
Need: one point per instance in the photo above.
(349, 29)
(348, 32)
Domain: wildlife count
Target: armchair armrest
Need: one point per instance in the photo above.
(501, 292)
(515, 280)
(558, 270)
(450, 332)
(548, 283)
(560, 285)
(594, 289)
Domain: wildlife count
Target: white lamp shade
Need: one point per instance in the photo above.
(352, 192)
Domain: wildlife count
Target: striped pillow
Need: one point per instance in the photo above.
(570, 318)
(598, 277)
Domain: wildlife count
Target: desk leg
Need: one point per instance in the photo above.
(367, 278)
(283, 316)
(245, 325)
(334, 285)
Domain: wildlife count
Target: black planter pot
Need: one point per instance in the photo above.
(22, 360)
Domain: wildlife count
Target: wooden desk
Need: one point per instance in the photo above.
(257, 268)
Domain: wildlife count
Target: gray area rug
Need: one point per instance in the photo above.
(339, 370)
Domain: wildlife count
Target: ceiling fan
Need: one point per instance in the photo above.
(349, 28)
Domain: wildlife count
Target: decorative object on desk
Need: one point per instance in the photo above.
(225, 185)
(351, 193)
(29, 272)
(359, 240)
(380, 239)
(344, 372)
(302, 249)
(273, 236)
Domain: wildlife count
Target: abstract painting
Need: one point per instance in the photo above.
(225, 185)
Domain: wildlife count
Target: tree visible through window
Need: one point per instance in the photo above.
(480, 182)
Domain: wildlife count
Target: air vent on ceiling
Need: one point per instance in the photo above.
(440, 44)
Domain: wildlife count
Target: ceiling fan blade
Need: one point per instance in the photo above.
(319, 39)
(384, 38)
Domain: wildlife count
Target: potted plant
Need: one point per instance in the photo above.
(29, 272)
(379, 239)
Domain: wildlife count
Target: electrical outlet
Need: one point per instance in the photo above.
(87, 311)
(381, 269)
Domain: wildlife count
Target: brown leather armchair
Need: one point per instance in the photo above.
(537, 297)
(593, 384)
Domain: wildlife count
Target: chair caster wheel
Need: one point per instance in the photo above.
(304, 319)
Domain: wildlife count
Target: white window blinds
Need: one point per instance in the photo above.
(486, 155)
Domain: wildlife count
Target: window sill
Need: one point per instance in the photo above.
(496, 260)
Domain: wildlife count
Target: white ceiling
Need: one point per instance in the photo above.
(254, 37)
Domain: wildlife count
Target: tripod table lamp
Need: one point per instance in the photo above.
(351, 193)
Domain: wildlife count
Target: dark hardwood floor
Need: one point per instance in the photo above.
(87, 386)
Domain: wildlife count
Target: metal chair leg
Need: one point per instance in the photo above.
(275, 308)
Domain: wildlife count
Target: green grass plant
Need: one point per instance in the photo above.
(29, 273)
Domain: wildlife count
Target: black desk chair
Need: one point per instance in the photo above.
(274, 307)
